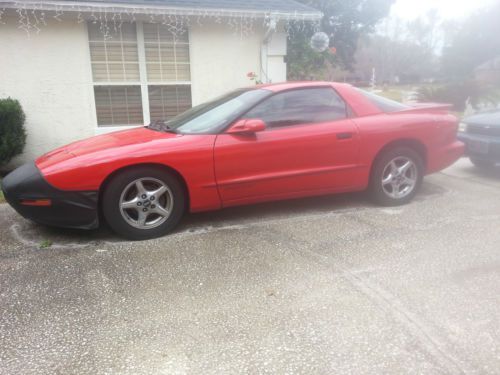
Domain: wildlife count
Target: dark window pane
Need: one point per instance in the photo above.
(384, 104)
(118, 105)
(300, 106)
(166, 102)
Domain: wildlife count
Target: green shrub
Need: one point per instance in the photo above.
(12, 133)
(457, 93)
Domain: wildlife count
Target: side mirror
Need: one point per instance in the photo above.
(248, 126)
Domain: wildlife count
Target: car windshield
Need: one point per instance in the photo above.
(214, 115)
(384, 104)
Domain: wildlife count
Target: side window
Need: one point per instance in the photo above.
(300, 106)
(384, 104)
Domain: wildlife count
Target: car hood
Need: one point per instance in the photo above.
(105, 142)
(491, 118)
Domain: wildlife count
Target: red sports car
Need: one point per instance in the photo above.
(257, 144)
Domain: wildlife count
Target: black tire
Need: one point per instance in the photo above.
(482, 164)
(377, 191)
(111, 200)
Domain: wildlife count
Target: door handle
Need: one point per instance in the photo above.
(344, 135)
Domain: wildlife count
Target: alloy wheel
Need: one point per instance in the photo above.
(399, 177)
(146, 203)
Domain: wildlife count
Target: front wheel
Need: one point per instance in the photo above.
(143, 203)
(396, 176)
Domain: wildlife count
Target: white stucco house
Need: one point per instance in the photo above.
(81, 68)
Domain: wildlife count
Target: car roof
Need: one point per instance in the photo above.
(276, 87)
(357, 102)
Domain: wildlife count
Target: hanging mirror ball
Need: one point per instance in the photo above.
(320, 41)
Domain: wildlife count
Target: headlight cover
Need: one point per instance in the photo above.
(462, 127)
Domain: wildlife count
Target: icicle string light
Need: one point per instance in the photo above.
(31, 17)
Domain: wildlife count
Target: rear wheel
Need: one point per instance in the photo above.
(396, 176)
(143, 203)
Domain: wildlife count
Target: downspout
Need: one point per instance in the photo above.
(264, 50)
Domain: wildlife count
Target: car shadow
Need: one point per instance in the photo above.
(38, 234)
(492, 174)
(211, 219)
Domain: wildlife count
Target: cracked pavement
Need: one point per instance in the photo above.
(330, 285)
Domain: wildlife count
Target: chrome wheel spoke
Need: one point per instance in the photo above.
(159, 192)
(387, 180)
(141, 220)
(394, 167)
(161, 211)
(402, 169)
(395, 190)
(132, 204)
(141, 190)
(405, 189)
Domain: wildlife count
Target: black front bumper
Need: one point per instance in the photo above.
(68, 209)
(481, 147)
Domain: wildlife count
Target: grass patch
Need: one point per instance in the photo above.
(2, 199)
(45, 244)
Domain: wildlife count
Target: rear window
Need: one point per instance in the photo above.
(384, 104)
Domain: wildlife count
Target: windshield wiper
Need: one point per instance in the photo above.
(161, 125)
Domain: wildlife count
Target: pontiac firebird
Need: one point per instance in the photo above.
(265, 143)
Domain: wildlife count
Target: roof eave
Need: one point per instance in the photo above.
(84, 6)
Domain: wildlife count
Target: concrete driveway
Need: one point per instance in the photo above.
(329, 285)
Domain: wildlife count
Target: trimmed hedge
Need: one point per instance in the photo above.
(12, 132)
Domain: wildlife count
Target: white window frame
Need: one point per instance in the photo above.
(143, 81)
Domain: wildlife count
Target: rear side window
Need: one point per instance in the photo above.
(384, 104)
(301, 106)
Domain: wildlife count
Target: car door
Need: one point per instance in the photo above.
(309, 146)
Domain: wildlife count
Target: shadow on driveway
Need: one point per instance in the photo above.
(34, 235)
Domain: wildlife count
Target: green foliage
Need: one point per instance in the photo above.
(12, 133)
(344, 22)
(2, 199)
(401, 51)
(393, 58)
(306, 64)
(472, 43)
(457, 93)
(46, 244)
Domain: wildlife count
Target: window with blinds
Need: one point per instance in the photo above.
(167, 58)
(118, 105)
(116, 58)
(128, 93)
(166, 102)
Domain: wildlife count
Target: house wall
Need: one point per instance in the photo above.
(276, 50)
(220, 60)
(50, 74)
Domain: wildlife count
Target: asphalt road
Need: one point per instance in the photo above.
(330, 285)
